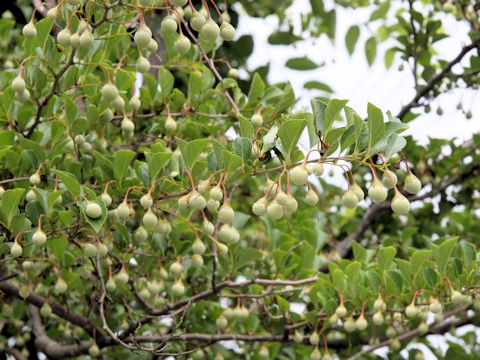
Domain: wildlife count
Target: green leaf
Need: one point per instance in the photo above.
(385, 257)
(289, 134)
(71, 182)
(166, 81)
(156, 162)
(246, 127)
(444, 252)
(121, 162)
(351, 38)
(10, 200)
(243, 147)
(417, 260)
(42, 197)
(256, 88)
(338, 279)
(317, 85)
(371, 50)
(57, 246)
(96, 224)
(191, 150)
(376, 126)
(326, 115)
(283, 38)
(395, 143)
(301, 63)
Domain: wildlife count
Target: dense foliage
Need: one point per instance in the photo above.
(153, 204)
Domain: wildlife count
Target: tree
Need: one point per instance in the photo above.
(153, 204)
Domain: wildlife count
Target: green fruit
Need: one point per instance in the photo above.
(122, 277)
(142, 37)
(75, 39)
(197, 260)
(27, 265)
(150, 220)
(16, 250)
(298, 175)
(118, 104)
(197, 21)
(141, 234)
(182, 45)
(198, 247)
(178, 289)
(457, 297)
(110, 285)
(274, 210)
(102, 250)
(221, 322)
(152, 46)
(400, 204)
(422, 328)
(233, 73)
(378, 318)
(377, 191)
(134, 103)
(227, 31)
(257, 119)
(170, 125)
(123, 210)
(164, 227)
(315, 354)
(18, 84)
(389, 179)
(222, 249)
(24, 291)
(216, 193)
(179, 2)
(146, 201)
(93, 210)
(109, 92)
(226, 214)
(311, 198)
(29, 31)
(35, 179)
(169, 24)
(204, 187)
(314, 338)
(46, 310)
(90, 250)
(341, 311)
(297, 337)
(80, 139)
(316, 169)
(361, 323)
(93, 350)
(176, 268)
(259, 207)
(106, 198)
(52, 13)
(107, 115)
(379, 304)
(196, 201)
(213, 205)
(350, 325)
(31, 196)
(86, 39)
(411, 310)
(435, 306)
(412, 184)
(208, 228)
(358, 191)
(39, 238)
(210, 30)
(2, 191)
(228, 234)
(60, 286)
(23, 96)
(264, 353)
(292, 205)
(142, 65)
(127, 125)
(349, 199)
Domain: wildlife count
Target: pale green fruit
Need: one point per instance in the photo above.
(257, 119)
(197, 260)
(350, 325)
(2, 191)
(297, 337)
(46, 310)
(16, 250)
(86, 147)
(333, 320)
(314, 338)
(60, 286)
(213, 205)
(274, 210)
(179, 2)
(109, 92)
(122, 277)
(198, 247)
(311, 198)
(216, 193)
(146, 201)
(412, 184)
(52, 13)
(135, 103)
(141, 234)
(64, 37)
(227, 31)
(379, 304)
(93, 210)
(221, 322)
(358, 191)
(210, 30)
(315, 354)
(90, 250)
(361, 323)
(102, 250)
(197, 21)
(35, 179)
(292, 205)
(111, 285)
(169, 24)
(127, 125)
(298, 175)
(31, 196)
(259, 207)
(349, 199)
(204, 187)
(281, 198)
(93, 350)
(264, 353)
(80, 139)
(75, 39)
(228, 234)
(233, 73)
(24, 291)
(27, 265)
(183, 201)
(23, 96)
(142, 37)
(389, 179)
(155, 287)
(142, 65)
(228, 313)
(196, 201)
(226, 214)
(123, 210)
(182, 45)
(435, 306)
(176, 268)
(144, 293)
(150, 220)
(152, 46)
(378, 318)
(377, 191)
(83, 26)
(391, 332)
(208, 228)
(164, 227)
(222, 249)
(457, 297)
(178, 289)
(341, 311)
(315, 168)
(18, 84)
(86, 39)
(170, 125)
(422, 328)
(400, 204)
(39, 238)
(29, 31)
(411, 310)
(106, 198)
